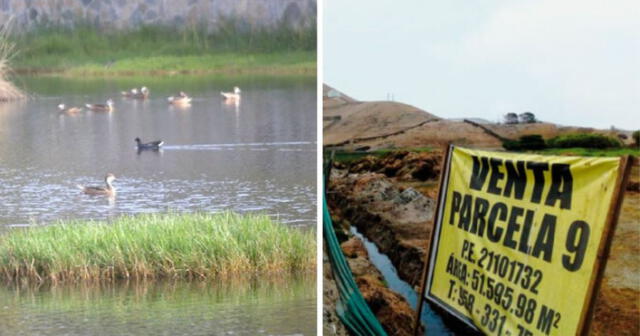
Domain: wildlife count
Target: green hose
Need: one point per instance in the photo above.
(352, 309)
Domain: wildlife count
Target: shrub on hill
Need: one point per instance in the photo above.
(584, 140)
(526, 142)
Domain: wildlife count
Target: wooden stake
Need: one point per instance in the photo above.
(605, 244)
(425, 270)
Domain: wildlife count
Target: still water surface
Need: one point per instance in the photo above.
(258, 307)
(258, 155)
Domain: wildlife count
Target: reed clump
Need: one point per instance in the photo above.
(8, 91)
(156, 246)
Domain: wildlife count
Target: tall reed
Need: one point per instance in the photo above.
(60, 48)
(8, 91)
(150, 246)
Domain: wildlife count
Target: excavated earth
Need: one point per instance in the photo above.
(391, 201)
(391, 309)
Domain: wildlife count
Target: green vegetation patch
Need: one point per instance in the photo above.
(152, 246)
(576, 140)
(526, 142)
(84, 49)
(591, 151)
(584, 140)
(350, 156)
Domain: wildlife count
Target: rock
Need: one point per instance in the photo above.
(391, 309)
(403, 165)
(354, 248)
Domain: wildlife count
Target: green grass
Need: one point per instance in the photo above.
(591, 151)
(346, 157)
(156, 246)
(156, 49)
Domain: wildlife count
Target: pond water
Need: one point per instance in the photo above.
(258, 307)
(258, 155)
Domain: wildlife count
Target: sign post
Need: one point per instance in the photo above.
(520, 241)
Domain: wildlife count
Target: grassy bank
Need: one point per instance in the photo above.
(156, 246)
(350, 156)
(163, 50)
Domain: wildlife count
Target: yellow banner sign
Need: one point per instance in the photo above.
(517, 237)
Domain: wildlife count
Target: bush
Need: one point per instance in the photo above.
(512, 145)
(584, 140)
(533, 141)
(636, 137)
(526, 142)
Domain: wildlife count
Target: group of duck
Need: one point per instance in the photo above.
(180, 99)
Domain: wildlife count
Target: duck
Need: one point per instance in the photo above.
(101, 108)
(143, 94)
(108, 190)
(180, 99)
(71, 110)
(130, 94)
(134, 93)
(235, 95)
(155, 145)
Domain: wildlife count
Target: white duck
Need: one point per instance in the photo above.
(235, 95)
(108, 107)
(71, 110)
(180, 99)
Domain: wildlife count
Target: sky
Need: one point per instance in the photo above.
(571, 62)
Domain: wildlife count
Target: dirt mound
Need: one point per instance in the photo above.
(391, 309)
(402, 165)
(397, 220)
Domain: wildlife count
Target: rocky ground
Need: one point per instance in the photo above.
(391, 201)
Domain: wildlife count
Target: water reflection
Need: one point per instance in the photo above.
(257, 154)
(238, 307)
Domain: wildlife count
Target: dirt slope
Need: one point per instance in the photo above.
(353, 124)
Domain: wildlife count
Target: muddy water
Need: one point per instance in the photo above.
(258, 155)
(432, 321)
(259, 307)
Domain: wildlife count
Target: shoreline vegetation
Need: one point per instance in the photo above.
(8, 91)
(157, 50)
(156, 246)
